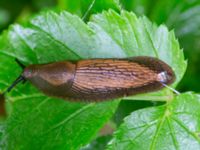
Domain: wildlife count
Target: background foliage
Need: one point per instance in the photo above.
(46, 32)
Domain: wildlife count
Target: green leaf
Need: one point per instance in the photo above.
(173, 126)
(84, 8)
(40, 122)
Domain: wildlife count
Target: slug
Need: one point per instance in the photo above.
(98, 79)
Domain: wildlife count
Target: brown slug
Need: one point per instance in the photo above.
(98, 79)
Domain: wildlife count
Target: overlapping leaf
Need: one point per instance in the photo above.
(173, 126)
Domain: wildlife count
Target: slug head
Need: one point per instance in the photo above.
(53, 79)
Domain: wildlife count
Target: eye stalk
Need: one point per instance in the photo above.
(18, 80)
(20, 64)
(21, 78)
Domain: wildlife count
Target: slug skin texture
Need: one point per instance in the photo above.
(100, 79)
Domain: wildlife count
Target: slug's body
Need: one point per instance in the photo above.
(99, 79)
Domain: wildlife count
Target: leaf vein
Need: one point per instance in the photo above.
(186, 129)
(158, 128)
(172, 134)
